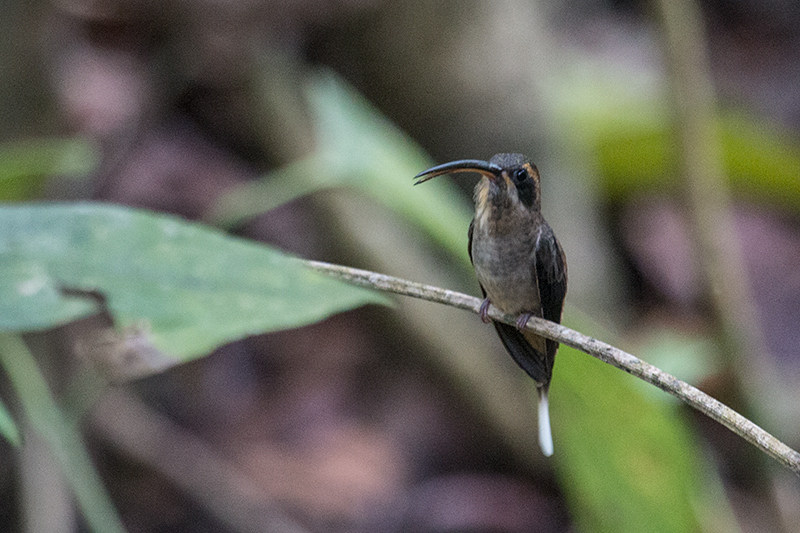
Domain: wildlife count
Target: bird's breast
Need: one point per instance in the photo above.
(504, 260)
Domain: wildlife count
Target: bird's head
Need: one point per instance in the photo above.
(509, 180)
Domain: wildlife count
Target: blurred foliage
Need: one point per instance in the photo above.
(626, 461)
(761, 163)
(26, 166)
(692, 357)
(195, 288)
(357, 148)
(63, 437)
(623, 116)
(8, 428)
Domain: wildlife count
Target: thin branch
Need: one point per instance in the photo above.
(605, 352)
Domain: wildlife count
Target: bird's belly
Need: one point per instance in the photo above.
(507, 276)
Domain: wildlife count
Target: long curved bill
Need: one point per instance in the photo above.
(484, 168)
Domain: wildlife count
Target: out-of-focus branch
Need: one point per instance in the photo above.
(231, 495)
(707, 191)
(605, 352)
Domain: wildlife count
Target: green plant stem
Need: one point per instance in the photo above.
(62, 438)
(697, 399)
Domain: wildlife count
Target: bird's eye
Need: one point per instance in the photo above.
(520, 175)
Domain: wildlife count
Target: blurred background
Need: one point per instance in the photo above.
(668, 144)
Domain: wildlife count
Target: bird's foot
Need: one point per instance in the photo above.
(522, 321)
(484, 311)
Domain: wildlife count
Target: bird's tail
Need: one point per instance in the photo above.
(545, 434)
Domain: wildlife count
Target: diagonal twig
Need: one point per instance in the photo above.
(693, 396)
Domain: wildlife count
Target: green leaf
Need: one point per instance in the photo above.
(379, 159)
(623, 115)
(62, 438)
(187, 287)
(626, 461)
(358, 148)
(8, 428)
(26, 165)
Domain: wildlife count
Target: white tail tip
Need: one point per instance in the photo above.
(545, 435)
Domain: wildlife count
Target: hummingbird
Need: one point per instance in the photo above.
(518, 261)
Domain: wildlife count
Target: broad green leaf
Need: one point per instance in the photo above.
(626, 461)
(8, 428)
(63, 438)
(187, 287)
(26, 165)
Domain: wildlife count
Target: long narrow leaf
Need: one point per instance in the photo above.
(62, 438)
(8, 428)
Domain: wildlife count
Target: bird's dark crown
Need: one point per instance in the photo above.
(509, 161)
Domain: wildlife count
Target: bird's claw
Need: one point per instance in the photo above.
(522, 321)
(484, 311)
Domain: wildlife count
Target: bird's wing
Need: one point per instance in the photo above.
(469, 243)
(551, 276)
